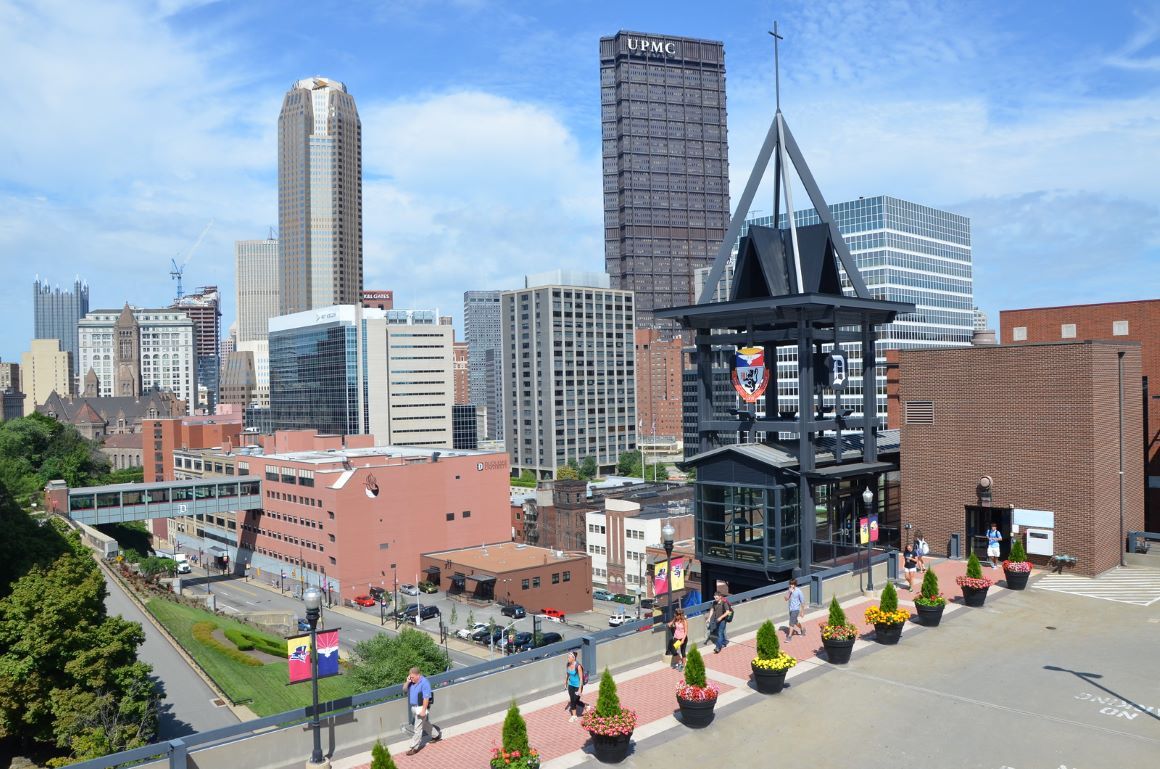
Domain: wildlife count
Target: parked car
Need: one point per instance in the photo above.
(303, 626)
(408, 589)
(647, 603)
(600, 594)
(555, 614)
(616, 620)
(482, 636)
(625, 598)
(428, 587)
(407, 611)
(517, 643)
(429, 611)
(379, 594)
(514, 610)
(467, 632)
(549, 638)
(364, 600)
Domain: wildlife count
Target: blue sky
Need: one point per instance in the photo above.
(130, 125)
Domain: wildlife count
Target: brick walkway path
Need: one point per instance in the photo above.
(649, 689)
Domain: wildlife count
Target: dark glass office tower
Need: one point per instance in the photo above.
(57, 313)
(666, 164)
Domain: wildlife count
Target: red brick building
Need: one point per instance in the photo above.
(1042, 421)
(1120, 322)
(658, 385)
(535, 577)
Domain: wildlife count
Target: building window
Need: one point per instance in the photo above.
(1067, 331)
(523, 584)
(1119, 328)
(1019, 334)
(451, 516)
(555, 578)
(465, 514)
(535, 581)
(567, 576)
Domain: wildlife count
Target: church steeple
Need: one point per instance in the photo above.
(127, 355)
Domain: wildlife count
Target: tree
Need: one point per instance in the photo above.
(69, 674)
(454, 616)
(515, 731)
(36, 449)
(588, 468)
(657, 471)
(628, 464)
(384, 661)
(154, 566)
(380, 758)
(567, 473)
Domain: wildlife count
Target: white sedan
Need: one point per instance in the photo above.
(616, 620)
(467, 632)
(408, 589)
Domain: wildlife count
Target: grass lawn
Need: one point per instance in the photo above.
(263, 689)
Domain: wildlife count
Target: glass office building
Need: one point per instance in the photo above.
(906, 252)
(315, 377)
(666, 164)
(481, 328)
(56, 314)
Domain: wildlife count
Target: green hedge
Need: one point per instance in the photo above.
(203, 632)
(246, 640)
(240, 639)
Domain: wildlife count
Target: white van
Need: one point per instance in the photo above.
(183, 566)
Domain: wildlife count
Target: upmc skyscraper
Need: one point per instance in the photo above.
(666, 164)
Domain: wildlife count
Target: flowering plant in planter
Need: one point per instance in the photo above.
(974, 577)
(838, 628)
(608, 718)
(695, 687)
(929, 594)
(769, 653)
(887, 611)
(515, 753)
(1017, 558)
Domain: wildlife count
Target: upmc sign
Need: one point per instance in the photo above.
(646, 46)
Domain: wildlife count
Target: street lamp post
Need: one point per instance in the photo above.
(312, 597)
(668, 532)
(867, 500)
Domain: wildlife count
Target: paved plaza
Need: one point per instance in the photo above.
(1033, 680)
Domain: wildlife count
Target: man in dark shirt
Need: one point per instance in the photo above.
(719, 616)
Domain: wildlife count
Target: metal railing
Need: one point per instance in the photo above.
(1140, 541)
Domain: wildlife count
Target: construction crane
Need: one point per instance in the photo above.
(177, 272)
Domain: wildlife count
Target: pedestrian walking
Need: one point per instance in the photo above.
(994, 537)
(719, 616)
(418, 690)
(574, 681)
(909, 566)
(921, 548)
(680, 627)
(794, 598)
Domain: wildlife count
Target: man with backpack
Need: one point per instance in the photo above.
(719, 616)
(419, 697)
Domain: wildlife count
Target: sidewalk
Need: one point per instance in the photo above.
(649, 689)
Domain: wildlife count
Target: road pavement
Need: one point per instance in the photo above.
(189, 705)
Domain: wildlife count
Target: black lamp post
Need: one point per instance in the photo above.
(312, 597)
(668, 532)
(867, 500)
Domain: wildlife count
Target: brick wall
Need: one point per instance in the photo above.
(1096, 321)
(1042, 421)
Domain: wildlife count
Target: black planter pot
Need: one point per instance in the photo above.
(838, 651)
(930, 616)
(769, 681)
(887, 633)
(610, 750)
(1016, 580)
(696, 714)
(974, 596)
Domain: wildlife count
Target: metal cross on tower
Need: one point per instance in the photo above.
(776, 66)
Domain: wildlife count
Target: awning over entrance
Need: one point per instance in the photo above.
(217, 551)
(431, 570)
(850, 470)
(481, 578)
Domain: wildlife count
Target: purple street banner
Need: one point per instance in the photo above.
(298, 656)
(873, 528)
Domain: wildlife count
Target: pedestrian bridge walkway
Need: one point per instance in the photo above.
(165, 499)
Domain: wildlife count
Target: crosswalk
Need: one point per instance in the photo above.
(1140, 587)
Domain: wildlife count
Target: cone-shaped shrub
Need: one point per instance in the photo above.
(515, 731)
(695, 668)
(929, 593)
(607, 701)
(1017, 554)
(974, 570)
(837, 616)
(380, 758)
(889, 600)
(768, 647)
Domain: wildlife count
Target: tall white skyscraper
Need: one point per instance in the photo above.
(319, 197)
(256, 270)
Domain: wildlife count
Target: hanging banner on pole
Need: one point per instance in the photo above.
(863, 530)
(298, 655)
(873, 528)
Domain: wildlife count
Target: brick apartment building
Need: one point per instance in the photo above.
(1121, 322)
(1042, 422)
(658, 385)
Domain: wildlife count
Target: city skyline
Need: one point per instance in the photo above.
(1036, 123)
